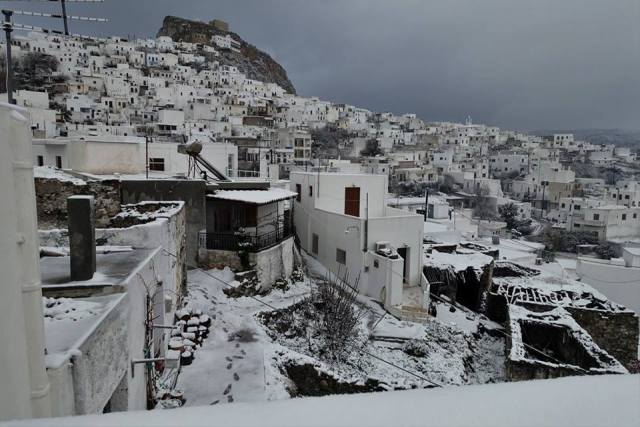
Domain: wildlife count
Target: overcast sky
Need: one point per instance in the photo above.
(520, 64)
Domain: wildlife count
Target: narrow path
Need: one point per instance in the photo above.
(229, 367)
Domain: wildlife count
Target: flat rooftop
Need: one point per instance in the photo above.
(111, 269)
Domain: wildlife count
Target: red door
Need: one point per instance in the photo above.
(352, 201)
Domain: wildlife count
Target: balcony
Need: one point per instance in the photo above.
(230, 241)
(589, 222)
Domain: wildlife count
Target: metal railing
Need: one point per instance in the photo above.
(231, 241)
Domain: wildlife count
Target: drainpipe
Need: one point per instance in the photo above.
(17, 149)
(366, 224)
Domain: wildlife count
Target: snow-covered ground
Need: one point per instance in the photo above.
(230, 366)
(242, 360)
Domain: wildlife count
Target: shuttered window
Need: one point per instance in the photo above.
(352, 201)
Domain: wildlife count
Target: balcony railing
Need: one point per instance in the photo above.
(230, 241)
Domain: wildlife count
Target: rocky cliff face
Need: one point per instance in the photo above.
(250, 60)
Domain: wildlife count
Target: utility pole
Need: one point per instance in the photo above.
(146, 155)
(64, 17)
(426, 203)
(8, 28)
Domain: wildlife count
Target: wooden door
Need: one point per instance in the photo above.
(352, 201)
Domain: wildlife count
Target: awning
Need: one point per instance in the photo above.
(256, 197)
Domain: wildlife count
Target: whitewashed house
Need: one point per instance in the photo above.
(343, 221)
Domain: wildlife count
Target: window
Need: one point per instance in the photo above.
(59, 162)
(156, 164)
(311, 191)
(562, 205)
(341, 256)
(596, 217)
(624, 217)
(576, 225)
(40, 161)
(299, 191)
(314, 243)
(375, 263)
(635, 215)
(576, 207)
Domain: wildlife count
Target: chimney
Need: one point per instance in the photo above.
(82, 236)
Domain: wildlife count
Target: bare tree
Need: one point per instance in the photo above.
(484, 207)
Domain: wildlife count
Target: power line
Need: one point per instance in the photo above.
(59, 16)
(475, 314)
(57, 1)
(228, 285)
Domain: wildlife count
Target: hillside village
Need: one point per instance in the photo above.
(203, 238)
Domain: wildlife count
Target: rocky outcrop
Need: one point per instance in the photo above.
(255, 63)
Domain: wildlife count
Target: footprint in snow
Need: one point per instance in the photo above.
(236, 376)
(237, 345)
(227, 390)
(243, 352)
(230, 365)
(215, 402)
(238, 357)
(228, 359)
(230, 399)
(225, 329)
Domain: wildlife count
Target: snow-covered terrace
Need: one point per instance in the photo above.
(610, 400)
(111, 270)
(69, 322)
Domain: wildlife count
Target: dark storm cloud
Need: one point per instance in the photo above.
(521, 64)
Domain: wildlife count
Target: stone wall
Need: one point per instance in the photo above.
(614, 332)
(467, 287)
(617, 333)
(52, 194)
(526, 371)
(213, 258)
(270, 264)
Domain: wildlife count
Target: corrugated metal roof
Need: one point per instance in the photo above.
(257, 197)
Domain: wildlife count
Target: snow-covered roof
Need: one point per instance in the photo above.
(49, 172)
(458, 262)
(256, 197)
(596, 400)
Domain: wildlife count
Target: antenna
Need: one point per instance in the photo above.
(65, 18)
(23, 27)
(55, 15)
(8, 27)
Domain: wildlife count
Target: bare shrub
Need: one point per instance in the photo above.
(334, 317)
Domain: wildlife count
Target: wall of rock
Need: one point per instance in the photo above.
(614, 332)
(52, 194)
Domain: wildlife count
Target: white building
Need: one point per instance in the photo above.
(341, 218)
(106, 155)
